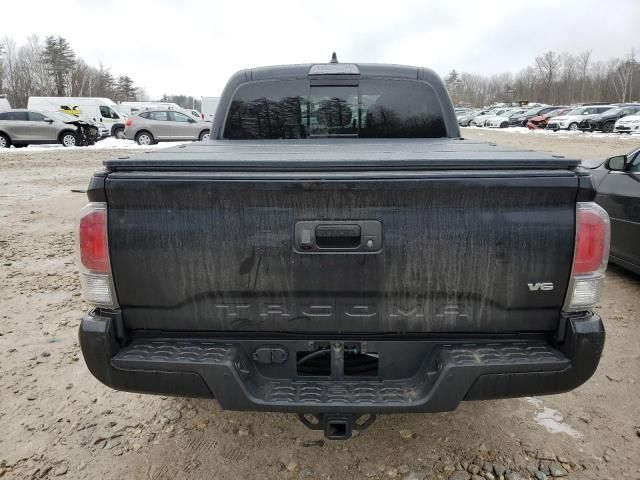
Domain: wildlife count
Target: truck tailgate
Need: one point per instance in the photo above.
(460, 251)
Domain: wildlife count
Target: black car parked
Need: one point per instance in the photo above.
(521, 120)
(607, 120)
(618, 183)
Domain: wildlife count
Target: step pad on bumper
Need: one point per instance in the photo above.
(412, 376)
(505, 354)
(141, 353)
(149, 352)
(231, 375)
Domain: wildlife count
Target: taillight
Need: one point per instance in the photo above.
(128, 122)
(93, 256)
(590, 256)
(93, 241)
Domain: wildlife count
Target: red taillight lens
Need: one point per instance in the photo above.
(128, 122)
(93, 256)
(592, 239)
(589, 258)
(94, 253)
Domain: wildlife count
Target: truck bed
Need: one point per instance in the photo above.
(340, 154)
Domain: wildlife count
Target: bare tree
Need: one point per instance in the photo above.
(622, 73)
(10, 70)
(1, 67)
(48, 68)
(548, 65)
(551, 77)
(567, 90)
(583, 68)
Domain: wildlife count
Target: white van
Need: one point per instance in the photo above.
(208, 107)
(102, 110)
(4, 103)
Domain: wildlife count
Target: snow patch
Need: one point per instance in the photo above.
(551, 419)
(110, 143)
(563, 133)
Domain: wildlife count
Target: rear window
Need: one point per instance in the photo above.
(14, 116)
(161, 116)
(373, 109)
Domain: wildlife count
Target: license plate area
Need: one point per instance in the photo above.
(337, 360)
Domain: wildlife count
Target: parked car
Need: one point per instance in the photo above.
(164, 125)
(541, 121)
(465, 120)
(521, 120)
(502, 121)
(571, 120)
(4, 103)
(22, 127)
(461, 111)
(628, 124)
(618, 184)
(105, 131)
(133, 108)
(481, 120)
(605, 122)
(90, 109)
(290, 264)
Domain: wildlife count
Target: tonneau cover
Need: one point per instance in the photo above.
(342, 154)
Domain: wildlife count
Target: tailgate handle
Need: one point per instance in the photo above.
(338, 236)
(360, 236)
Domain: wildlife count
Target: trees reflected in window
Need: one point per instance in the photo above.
(374, 109)
(399, 109)
(333, 111)
(269, 110)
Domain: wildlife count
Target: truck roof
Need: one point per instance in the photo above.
(340, 154)
(336, 74)
(302, 70)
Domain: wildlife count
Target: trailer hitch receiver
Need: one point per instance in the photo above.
(337, 426)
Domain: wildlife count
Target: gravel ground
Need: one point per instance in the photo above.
(58, 421)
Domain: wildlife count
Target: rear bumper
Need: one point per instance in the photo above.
(446, 373)
(627, 128)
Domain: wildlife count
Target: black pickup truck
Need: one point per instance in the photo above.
(337, 250)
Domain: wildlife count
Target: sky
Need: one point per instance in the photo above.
(192, 47)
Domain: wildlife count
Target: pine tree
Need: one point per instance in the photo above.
(59, 58)
(105, 84)
(452, 77)
(125, 88)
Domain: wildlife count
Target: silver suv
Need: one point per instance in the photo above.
(21, 127)
(164, 125)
